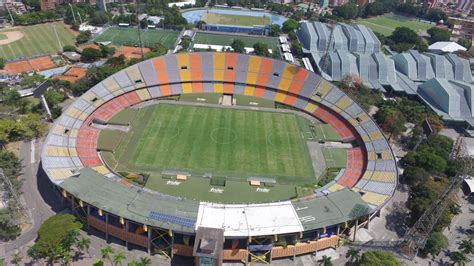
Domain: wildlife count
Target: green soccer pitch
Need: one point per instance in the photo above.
(228, 19)
(233, 145)
(129, 37)
(224, 142)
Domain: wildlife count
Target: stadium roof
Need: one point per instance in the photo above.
(445, 47)
(71, 161)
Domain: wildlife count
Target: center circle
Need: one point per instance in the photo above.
(223, 135)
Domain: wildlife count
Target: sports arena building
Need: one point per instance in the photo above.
(213, 232)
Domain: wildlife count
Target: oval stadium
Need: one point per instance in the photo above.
(220, 157)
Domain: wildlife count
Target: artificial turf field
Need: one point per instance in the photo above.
(386, 24)
(38, 39)
(224, 142)
(227, 39)
(227, 19)
(129, 37)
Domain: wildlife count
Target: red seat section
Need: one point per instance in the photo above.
(86, 145)
(342, 128)
(354, 167)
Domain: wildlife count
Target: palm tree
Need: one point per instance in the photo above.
(17, 258)
(459, 258)
(133, 263)
(353, 254)
(106, 252)
(325, 261)
(466, 246)
(84, 244)
(145, 261)
(119, 258)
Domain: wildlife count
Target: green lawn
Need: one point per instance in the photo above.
(38, 39)
(129, 37)
(225, 142)
(3, 36)
(227, 19)
(386, 24)
(227, 39)
(335, 157)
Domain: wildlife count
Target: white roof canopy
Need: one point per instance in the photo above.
(250, 220)
(447, 47)
(470, 184)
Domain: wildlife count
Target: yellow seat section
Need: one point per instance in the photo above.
(60, 173)
(336, 109)
(93, 98)
(60, 151)
(355, 189)
(387, 155)
(72, 152)
(279, 97)
(374, 198)
(254, 67)
(323, 89)
(73, 133)
(59, 130)
(367, 175)
(183, 64)
(287, 77)
(135, 75)
(101, 170)
(143, 94)
(83, 116)
(372, 156)
(111, 85)
(336, 187)
(344, 102)
(219, 62)
(365, 137)
(364, 118)
(376, 135)
(73, 112)
(381, 176)
(249, 90)
(311, 107)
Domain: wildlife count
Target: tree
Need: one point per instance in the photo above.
(466, 43)
(2, 62)
(436, 15)
(325, 261)
(261, 49)
(83, 37)
(106, 51)
(435, 243)
(84, 244)
(459, 258)
(90, 54)
(421, 45)
(413, 175)
(185, 42)
(353, 254)
(404, 35)
(55, 237)
(274, 30)
(238, 46)
(118, 258)
(106, 253)
(296, 48)
(99, 18)
(346, 12)
(439, 35)
(69, 48)
(466, 246)
(378, 257)
(290, 25)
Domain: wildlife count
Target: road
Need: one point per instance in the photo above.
(41, 201)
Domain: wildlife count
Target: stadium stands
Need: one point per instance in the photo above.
(70, 149)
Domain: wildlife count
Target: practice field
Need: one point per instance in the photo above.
(227, 19)
(386, 24)
(129, 37)
(37, 39)
(227, 39)
(225, 142)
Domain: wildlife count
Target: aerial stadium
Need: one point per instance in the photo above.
(220, 157)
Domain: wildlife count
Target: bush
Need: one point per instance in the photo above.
(69, 48)
(90, 54)
(435, 243)
(378, 257)
(83, 37)
(439, 35)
